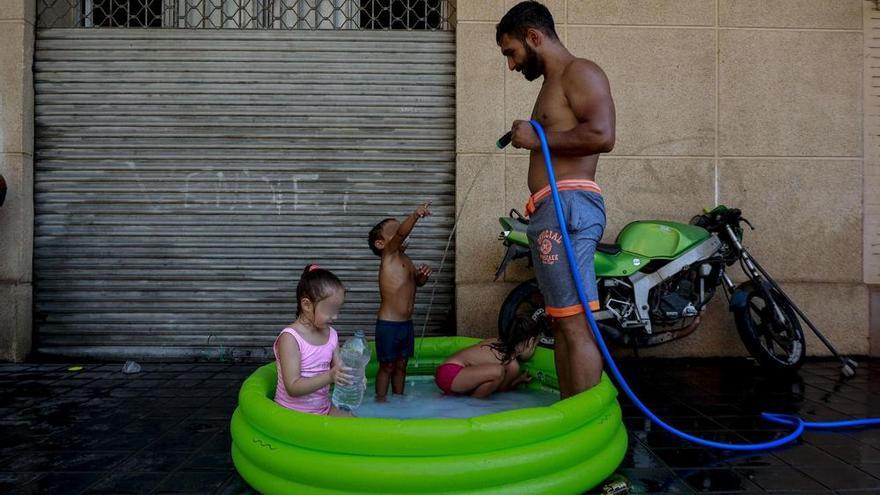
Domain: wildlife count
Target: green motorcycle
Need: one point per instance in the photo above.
(657, 278)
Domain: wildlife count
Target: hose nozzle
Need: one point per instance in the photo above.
(504, 140)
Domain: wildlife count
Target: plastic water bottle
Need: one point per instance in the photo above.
(355, 354)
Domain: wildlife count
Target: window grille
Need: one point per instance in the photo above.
(249, 14)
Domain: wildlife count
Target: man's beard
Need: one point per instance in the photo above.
(533, 68)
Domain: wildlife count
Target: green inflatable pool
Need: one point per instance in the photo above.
(568, 447)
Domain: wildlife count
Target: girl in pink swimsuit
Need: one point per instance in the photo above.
(305, 351)
(490, 366)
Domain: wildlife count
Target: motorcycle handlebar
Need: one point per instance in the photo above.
(717, 220)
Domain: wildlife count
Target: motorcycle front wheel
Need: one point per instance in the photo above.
(526, 300)
(775, 344)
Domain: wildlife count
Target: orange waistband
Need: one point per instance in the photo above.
(563, 185)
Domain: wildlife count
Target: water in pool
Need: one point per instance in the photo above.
(424, 400)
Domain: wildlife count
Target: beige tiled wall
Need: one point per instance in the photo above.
(790, 93)
(16, 165)
(749, 103)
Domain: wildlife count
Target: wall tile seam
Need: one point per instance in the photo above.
(690, 157)
(25, 154)
(869, 25)
(656, 157)
(17, 153)
(852, 158)
(796, 29)
(716, 162)
(819, 282)
(725, 157)
(709, 27)
(10, 20)
(465, 154)
(504, 166)
(701, 27)
(564, 22)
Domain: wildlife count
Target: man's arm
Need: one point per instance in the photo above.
(589, 96)
(406, 227)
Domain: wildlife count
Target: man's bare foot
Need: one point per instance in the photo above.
(381, 398)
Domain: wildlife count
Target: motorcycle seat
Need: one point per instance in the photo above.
(611, 249)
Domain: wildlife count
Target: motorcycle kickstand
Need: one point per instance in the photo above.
(847, 365)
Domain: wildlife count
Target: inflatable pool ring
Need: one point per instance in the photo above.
(567, 447)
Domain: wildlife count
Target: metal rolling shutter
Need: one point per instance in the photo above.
(185, 177)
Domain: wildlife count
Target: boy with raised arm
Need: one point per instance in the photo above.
(398, 279)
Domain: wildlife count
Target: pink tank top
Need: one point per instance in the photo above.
(314, 360)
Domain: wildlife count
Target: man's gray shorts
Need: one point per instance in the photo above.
(584, 211)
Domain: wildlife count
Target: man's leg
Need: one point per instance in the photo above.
(560, 357)
(583, 357)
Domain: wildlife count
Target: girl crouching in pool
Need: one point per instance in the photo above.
(490, 366)
(305, 351)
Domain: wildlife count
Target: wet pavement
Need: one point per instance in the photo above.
(165, 429)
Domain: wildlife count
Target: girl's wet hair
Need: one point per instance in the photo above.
(316, 284)
(520, 330)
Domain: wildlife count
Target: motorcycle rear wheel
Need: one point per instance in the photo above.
(775, 345)
(526, 300)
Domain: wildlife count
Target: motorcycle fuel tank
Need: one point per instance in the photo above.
(659, 239)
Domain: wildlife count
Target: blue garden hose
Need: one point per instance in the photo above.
(795, 421)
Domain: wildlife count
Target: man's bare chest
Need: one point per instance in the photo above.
(552, 109)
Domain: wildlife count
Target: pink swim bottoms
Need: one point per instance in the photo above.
(445, 374)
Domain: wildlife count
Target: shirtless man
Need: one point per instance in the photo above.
(576, 110)
(398, 279)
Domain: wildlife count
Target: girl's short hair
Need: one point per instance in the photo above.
(520, 330)
(316, 284)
